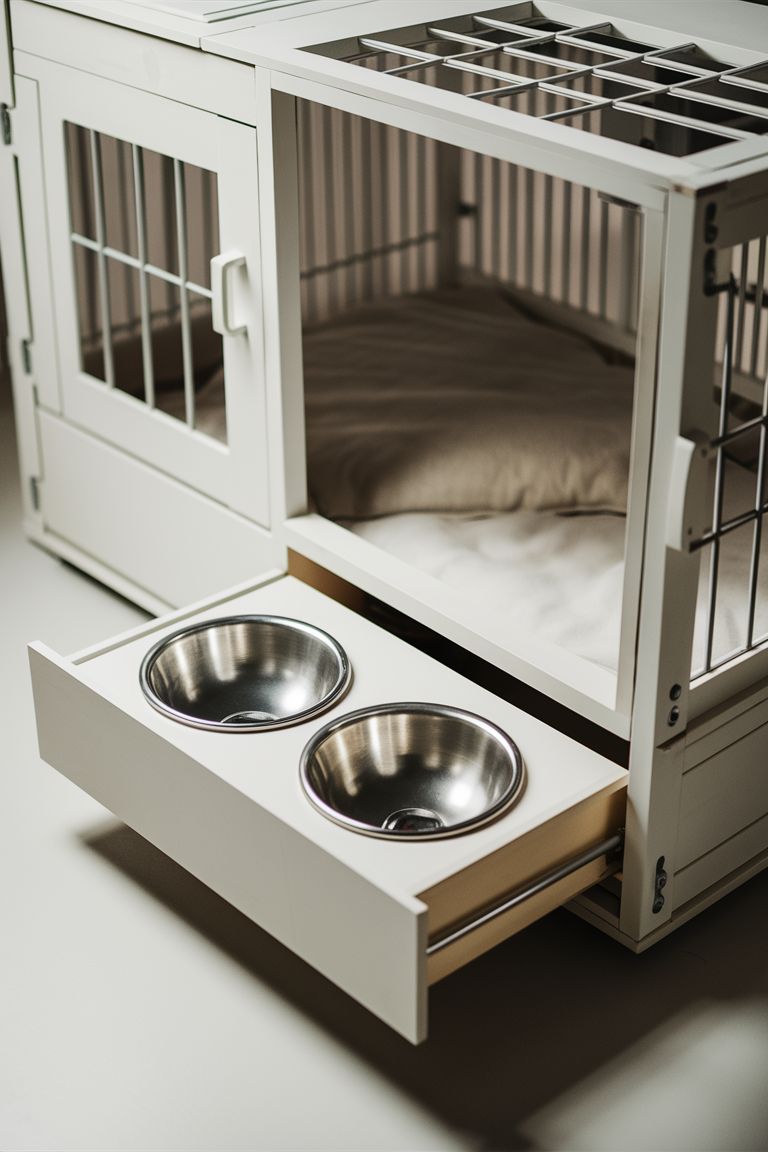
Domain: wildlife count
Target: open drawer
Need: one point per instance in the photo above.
(381, 918)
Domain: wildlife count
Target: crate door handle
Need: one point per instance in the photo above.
(222, 268)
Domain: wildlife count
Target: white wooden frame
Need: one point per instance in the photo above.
(235, 474)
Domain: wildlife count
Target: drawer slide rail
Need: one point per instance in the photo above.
(611, 847)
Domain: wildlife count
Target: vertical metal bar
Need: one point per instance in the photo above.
(757, 531)
(757, 324)
(725, 396)
(423, 210)
(628, 267)
(496, 217)
(514, 198)
(307, 201)
(548, 209)
(209, 229)
(477, 169)
(529, 227)
(331, 241)
(186, 334)
(144, 309)
(125, 213)
(168, 185)
(603, 285)
(565, 242)
(402, 184)
(586, 240)
(743, 273)
(85, 175)
(347, 203)
(98, 201)
(366, 206)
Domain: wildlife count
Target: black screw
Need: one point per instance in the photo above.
(674, 716)
(675, 692)
(658, 904)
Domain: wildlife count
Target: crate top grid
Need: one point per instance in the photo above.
(632, 106)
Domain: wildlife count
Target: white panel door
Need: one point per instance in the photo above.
(152, 211)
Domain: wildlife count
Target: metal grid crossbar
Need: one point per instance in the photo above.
(677, 100)
(144, 228)
(740, 500)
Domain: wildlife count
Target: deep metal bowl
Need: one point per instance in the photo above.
(245, 673)
(411, 771)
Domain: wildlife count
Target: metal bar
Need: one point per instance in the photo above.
(740, 430)
(329, 202)
(613, 844)
(757, 532)
(725, 396)
(106, 319)
(586, 229)
(399, 50)
(402, 182)
(730, 526)
(144, 309)
(124, 212)
(757, 316)
(603, 284)
(743, 273)
(307, 201)
(186, 334)
(628, 265)
(565, 243)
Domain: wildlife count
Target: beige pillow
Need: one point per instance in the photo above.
(454, 401)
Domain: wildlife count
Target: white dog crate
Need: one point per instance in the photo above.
(457, 313)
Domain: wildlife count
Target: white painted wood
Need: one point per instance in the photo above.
(711, 876)
(670, 578)
(724, 794)
(542, 145)
(642, 438)
(230, 808)
(166, 25)
(582, 686)
(141, 61)
(282, 301)
(19, 329)
(236, 474)
(152, 530)
(25, 146)
(6, 66)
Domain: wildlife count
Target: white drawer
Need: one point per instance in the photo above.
(372, 915)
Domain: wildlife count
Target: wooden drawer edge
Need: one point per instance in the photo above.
(515, 867)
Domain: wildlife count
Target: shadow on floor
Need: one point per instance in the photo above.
(519, 1027)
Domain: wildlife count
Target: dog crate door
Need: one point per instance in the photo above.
(152, 213)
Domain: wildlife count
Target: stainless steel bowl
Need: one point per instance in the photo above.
(411, 771)
(245, 673)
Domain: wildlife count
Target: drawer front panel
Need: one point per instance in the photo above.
(229, 807)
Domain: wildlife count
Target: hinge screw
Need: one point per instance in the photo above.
(674, 716)
(675, 692)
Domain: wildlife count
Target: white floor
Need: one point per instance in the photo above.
(138, 1011)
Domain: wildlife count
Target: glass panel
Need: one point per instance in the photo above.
(80, 178)
(208, 367)
(119, 195)
(89, 311)
(125, 320)
(202, 210)
(167, 353)
(160, 211)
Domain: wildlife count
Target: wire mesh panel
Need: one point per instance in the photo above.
(733, 600)
(678, 100)
(144, 227)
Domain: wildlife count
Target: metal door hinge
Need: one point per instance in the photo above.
(659, 884)
(5, 121)
(34, 488)
(26, 356)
